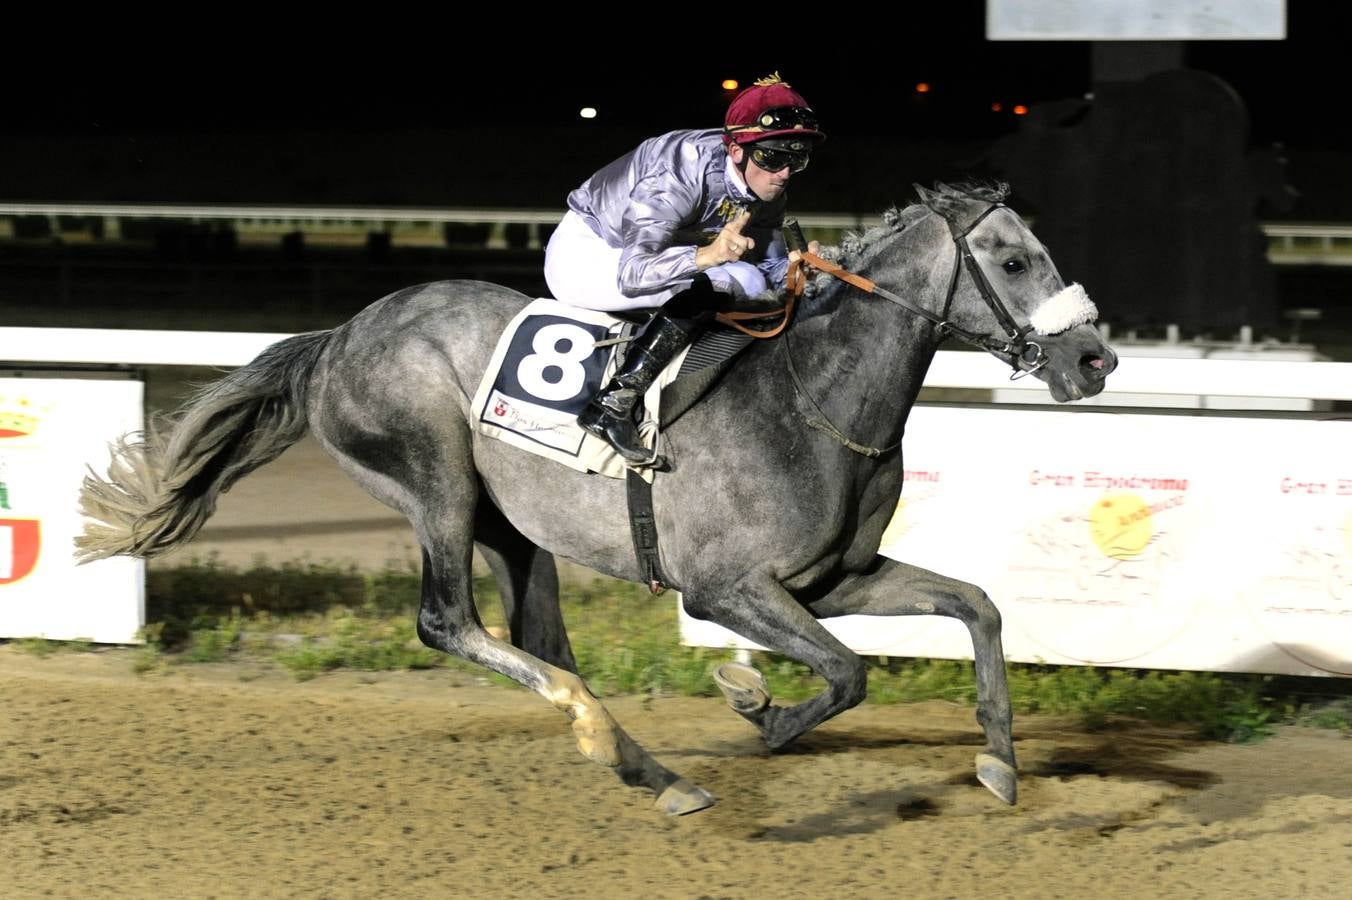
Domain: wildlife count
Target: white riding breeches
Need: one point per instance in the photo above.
(583, 270)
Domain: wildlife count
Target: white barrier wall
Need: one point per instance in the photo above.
(1110, 539)
(1151, 541)
(50, 430)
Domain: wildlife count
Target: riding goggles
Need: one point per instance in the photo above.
(781, 118)
(772, 159)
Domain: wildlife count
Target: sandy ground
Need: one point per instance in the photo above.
(233, 781)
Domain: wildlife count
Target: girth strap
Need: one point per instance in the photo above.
(643, 528)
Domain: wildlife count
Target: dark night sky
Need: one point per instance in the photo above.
(343, 76)
(401, 112)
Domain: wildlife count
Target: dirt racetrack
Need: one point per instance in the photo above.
(235, 781)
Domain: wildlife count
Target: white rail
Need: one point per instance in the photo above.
(951, 368)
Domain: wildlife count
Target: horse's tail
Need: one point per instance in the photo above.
(162, 486)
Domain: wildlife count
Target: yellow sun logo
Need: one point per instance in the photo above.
(1120, 526)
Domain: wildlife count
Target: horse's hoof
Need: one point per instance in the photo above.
(682, 798)
(744, 687)
(998, 776)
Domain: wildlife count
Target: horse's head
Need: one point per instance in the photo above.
(1004, 291)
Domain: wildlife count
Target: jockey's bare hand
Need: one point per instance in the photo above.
(728, 246)
(813, 247)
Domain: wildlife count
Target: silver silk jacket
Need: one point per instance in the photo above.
(667, 197)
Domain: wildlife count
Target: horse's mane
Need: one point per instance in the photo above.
(857, 248)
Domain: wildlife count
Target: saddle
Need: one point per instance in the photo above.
(553, 358)
(712, 353)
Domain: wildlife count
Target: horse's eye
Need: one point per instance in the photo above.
(1013, 266)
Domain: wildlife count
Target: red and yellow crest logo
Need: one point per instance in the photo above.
(19, 543)
(19, 416)
(16, 424)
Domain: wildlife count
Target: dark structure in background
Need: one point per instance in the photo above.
(1149, 192)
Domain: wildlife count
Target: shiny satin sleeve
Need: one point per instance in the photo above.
(775, 266)
(659, 206)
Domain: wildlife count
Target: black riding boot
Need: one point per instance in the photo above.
(610, 414)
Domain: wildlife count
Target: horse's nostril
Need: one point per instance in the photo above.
(1096, 363)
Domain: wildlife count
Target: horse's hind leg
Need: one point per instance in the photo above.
(448, 621)
(443, 515)
(898, 589)
(528, 583)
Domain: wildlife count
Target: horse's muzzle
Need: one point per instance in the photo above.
(1080, 364)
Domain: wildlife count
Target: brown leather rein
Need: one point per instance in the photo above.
(794, 284)
(1023, 355)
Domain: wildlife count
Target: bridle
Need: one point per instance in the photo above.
(1015, 344)
(1024, 355)
(1015, 348)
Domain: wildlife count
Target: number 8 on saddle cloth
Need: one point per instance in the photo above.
(547, 365)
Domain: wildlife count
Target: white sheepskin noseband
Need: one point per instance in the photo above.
(1065, 309)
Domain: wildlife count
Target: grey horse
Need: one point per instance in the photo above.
(782, 477)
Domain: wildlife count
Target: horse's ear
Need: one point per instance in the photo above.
(941, 201)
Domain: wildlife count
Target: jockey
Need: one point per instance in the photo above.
(688, 222)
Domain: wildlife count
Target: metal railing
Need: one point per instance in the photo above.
(333, 226)
(1309, 243)
(1289, 243)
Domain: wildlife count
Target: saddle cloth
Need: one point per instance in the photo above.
(545, 369)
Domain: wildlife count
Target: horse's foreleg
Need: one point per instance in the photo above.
(448, 621)
(898, 589)
(758, 607)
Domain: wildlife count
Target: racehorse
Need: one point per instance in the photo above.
(781, 480)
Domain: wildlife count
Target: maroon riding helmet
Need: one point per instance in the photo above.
(771, 109)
